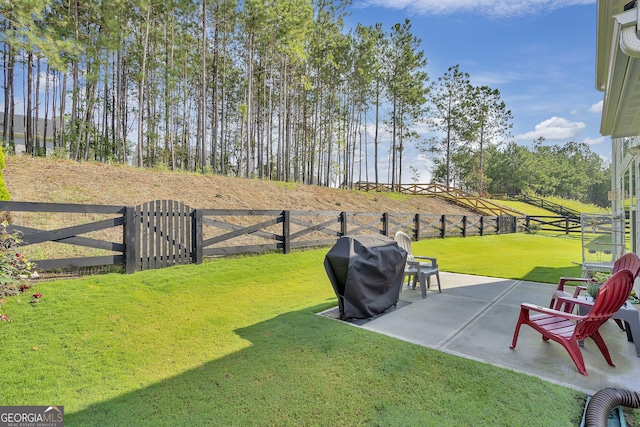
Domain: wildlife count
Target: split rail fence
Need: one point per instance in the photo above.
(163, 233)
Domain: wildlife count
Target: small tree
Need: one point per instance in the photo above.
(450, 96)
(490, 124)
(415, 174)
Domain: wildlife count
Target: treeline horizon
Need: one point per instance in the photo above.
(280, 91)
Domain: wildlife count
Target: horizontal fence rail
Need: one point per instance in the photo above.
(72, 235)
(553, 223)
(462, 198)
(545, 204)
(163, 233)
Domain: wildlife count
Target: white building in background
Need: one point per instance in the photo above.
(618, 76)
(19, 133)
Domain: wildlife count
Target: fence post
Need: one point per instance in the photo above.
(196, 239)
(566, 225)
(443, 226)
(416, 226)
(464, 226)
(498, 225)
(343, 223)
(385, 224)
(481, 225)
(286, 232)
(131, 240)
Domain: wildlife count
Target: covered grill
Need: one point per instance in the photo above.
(366, 272)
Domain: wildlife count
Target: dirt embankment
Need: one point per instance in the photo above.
(64, 181)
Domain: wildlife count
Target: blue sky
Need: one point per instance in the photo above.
(540, 55)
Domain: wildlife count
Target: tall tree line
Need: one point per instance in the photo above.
(273, 90)
(467, 120)
(472, 149)
(570, 171)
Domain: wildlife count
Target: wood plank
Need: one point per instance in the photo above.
(145, 236)
(194, 236)
(356, 214)
(315, 213)
(229, 226)
(164, 234)
(246, 230)
(131, 238)
(240, 212)
(190, 228)
(63, 233)
(156, 234)
(314, 243)
(78, 241)
(323, 227)
(180, 250)
(52, 264)
(365, 227)
(233, 250)
(60, 208)
(174, 249)
(187, 231)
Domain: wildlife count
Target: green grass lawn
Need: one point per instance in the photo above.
(236, 341)
(537, 258)
(577, 205)
(533, 210)
(526, 208)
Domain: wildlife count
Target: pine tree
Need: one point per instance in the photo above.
(450, 98)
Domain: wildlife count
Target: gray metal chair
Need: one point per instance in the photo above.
(419, 268)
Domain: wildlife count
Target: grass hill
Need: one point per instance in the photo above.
(31, 179)
(526, 208)
(538, 211)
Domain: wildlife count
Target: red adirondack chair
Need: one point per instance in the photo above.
(567, 328)
(562, 300)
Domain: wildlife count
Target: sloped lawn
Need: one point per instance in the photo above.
(237, 342)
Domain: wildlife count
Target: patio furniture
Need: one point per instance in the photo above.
(567, 328)
(627, 314)
(562, 300)
(366, 272)
(418, 268)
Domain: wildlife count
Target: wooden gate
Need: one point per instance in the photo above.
(165, 234)
(506, 224)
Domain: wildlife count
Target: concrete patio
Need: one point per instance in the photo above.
(474, 317)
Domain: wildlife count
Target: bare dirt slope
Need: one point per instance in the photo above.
(65, 181)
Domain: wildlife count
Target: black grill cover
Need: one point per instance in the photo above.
(366, 272)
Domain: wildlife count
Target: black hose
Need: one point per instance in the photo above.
(603, 402)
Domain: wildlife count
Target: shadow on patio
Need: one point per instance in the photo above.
(474, 317)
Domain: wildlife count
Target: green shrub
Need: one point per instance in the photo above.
(161, 167)
(533, 228)
(60, 153)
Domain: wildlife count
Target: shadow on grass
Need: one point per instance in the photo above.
(291, 373)
(305, 369)
(552, 275)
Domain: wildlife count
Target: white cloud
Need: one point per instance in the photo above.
(498, 8)
(594, 141)
(555, 128)
(496, 78)
(596, 108)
